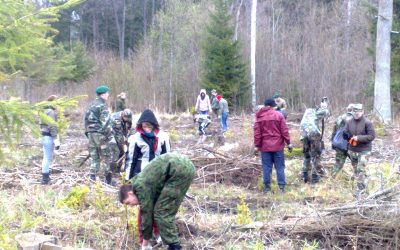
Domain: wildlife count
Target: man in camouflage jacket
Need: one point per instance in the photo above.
(311, 136)
(341, 155)
(121, 123)
(99, 131)
(159, 190)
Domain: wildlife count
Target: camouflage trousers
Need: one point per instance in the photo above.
(340, 159)
(359, 162)
(116, 152)
(99, 152)
(312, 150)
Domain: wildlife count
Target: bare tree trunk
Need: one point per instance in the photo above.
(94, 31)
(144, 18)
(348, 21)
(153, 10)
(120, 29)
(253, 53)
(122, 42)
(235, 37)
(382, 99)
(171, 59)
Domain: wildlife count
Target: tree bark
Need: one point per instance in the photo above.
(382, 99)
(253, 53)
(237, 20)
(120, 28)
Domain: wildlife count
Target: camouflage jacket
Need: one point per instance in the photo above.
(340, 122)
(97, 117)
(214, 102)
(120, 127)
(309, 125)
(223, 106)
(46, 128)
(160, 188)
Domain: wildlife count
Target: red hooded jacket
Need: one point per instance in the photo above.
(270, 130)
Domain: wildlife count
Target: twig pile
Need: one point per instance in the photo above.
(370, 223)
(218, 167)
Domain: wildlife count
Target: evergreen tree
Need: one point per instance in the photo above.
(223, 67)
(26, 47)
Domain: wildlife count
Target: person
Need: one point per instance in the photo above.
(203, 105)
(121, 123)
(360, 133)
(159, 191)
(270, 135)
(120, 102)
(99, 132)
(214, 102)
(147, 143)
(341, 153)
(280, 102)
(223, 113)
(203, 121)
(311, 136)
(50, 139)
(281, 105)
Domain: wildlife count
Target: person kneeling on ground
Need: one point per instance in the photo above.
(159, 191)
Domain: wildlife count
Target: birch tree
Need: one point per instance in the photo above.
(382, 99)
(253, 53)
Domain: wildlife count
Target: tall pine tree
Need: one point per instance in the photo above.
(223, 67)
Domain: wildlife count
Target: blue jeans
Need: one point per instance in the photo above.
(273, 158)
(203, 112)
(48, 149)
(224, 118)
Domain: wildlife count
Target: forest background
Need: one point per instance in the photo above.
(155, 50)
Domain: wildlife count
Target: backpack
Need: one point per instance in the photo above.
(338, 142)
(308, 126)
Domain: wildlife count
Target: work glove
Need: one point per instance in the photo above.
(56, 144)
(256, 151)
(125, 147)
(290, 148)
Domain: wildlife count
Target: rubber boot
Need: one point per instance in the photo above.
(282, 189)
(267, 190)
(113, 167)
(314, 178)
(305, 177)
(174, 246)
(45, 178)
(109, 180)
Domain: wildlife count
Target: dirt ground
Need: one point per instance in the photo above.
(226, 191)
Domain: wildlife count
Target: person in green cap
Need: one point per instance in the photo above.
(98, 129)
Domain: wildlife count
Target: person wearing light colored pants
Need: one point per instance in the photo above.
(48, 150)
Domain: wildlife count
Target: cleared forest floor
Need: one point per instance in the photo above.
(225, 207)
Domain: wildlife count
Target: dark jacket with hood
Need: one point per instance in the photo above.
(270, 130)
(145, 147)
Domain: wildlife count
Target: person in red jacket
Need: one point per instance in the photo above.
(270, 135)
